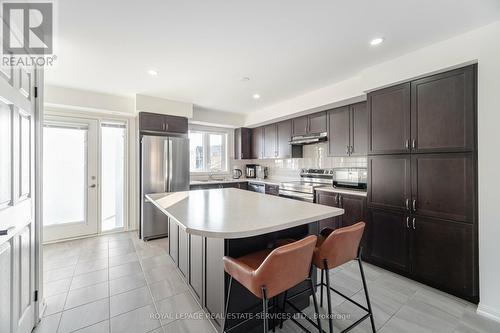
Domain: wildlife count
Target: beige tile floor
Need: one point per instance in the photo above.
(113, 283)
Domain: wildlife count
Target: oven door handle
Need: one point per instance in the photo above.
(296, 195)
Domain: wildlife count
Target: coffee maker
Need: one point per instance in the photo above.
(251, 170)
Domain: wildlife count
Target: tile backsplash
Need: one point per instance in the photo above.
(315, 156)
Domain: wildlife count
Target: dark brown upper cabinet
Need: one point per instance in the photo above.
(310, 124)
(359, 129)
(243, 143)
(338, 131)
(270, 141)
(300, 125)
(389, 120)
(284, 129)
(389, 182)
(347, 130)
(257, 143)
(443, 255)
(317, 123)
(443, 112)
(443, 186)
(154, 122)
(440, 116)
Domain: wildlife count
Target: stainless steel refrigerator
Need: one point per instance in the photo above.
(164, 168)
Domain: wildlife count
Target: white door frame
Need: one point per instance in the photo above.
(89, 226)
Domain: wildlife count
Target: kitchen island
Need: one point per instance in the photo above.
(206, 225)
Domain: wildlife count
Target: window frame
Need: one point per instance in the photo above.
(206, 150)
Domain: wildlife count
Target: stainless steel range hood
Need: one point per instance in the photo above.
(308, 139)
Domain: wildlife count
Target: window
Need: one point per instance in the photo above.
(207, 151)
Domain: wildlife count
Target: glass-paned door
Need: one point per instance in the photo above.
(70, 178)
(113, 136)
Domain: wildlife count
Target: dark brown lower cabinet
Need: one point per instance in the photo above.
(442, 254)
(328, 199)
(437, 252)
(388, 242)
(354, 208)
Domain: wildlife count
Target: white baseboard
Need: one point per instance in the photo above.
(488, 312)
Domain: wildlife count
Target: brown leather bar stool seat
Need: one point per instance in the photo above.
(270, 272)
(335, 248)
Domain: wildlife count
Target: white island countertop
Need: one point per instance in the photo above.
(234, 213)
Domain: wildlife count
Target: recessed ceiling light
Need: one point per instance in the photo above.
(256, 96)
(245, 79)
(152, 72)
(376, 41)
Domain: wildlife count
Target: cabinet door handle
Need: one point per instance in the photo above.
(407, 204)
(413, 144)
(347, 150)
(414, 205)
(340, 200)
(351, 150)
(413, 222)
(337, 199)
(407, 144)
(407, 222)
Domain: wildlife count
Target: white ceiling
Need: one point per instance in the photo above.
(202, 49)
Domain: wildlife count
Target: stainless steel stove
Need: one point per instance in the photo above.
(351, 178)
(304, 189)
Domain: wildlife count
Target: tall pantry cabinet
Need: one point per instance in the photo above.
(422, 188)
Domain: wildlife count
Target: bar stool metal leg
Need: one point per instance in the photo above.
(366, 291)
(264, 309)
(329, 298)
(321, 290)
(315, 301)
(227, 304)
(282, 319)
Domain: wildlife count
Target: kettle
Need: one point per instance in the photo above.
(237, 173)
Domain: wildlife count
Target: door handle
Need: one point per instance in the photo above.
(93, 186)
(413, 144)
(340, 200)
(407, 144)
(407, 204)
(414, 205)
(5, 232)
(413, 222)
(347, 150)
(407, 222)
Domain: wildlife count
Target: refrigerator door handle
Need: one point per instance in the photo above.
(166, 164)
(170, 165)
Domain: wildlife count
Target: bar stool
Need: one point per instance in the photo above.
(268, 273)
(334, 248)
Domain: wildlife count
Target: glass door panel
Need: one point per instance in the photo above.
(69, 178)
(113, 138)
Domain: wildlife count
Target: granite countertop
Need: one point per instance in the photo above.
(234, 213)
(340, 190)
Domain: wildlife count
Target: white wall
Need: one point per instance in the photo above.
(481, 45)
(162, 105)
(87, 101)
(203, 116)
